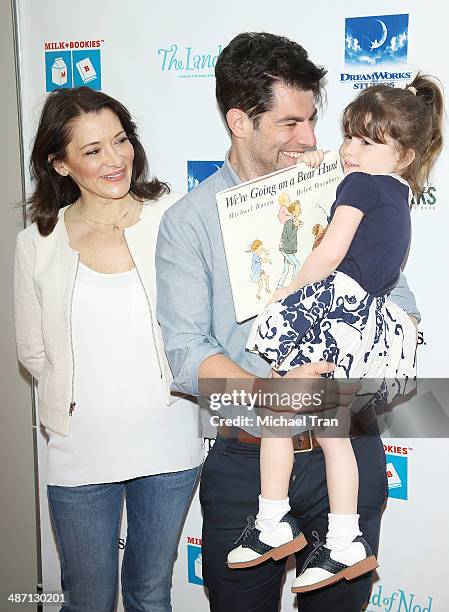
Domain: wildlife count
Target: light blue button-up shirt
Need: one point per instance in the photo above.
(194, 305)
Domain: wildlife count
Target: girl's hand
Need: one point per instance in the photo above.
(312, 158)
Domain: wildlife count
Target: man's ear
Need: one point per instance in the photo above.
(238, 122)
(406, 159)
(58, 165)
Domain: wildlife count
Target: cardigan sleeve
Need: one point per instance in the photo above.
(27, 310)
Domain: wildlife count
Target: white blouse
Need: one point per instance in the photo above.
(121, 415)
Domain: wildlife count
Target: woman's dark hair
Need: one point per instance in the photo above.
(253, 62)
(413, 117)
(54, 133)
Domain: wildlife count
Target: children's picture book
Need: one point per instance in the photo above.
(270, 225)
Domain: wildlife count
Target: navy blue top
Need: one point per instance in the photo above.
(381, 241)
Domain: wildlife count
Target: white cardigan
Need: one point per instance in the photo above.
(44, 279)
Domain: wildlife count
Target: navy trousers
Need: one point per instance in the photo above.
(229, 490)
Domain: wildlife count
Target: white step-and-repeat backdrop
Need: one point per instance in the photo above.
(158, 59)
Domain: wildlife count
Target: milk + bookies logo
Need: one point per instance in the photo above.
(376, 51)
(199, 171)
(194, 561)
(72, 64)
(397, 470)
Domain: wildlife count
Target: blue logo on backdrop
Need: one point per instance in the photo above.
(379, 46)
(397, 601)
(58, 70)
(397, 474)
(376, 40)
(87, 69)
(195, 564)
(198, 171)
(187, 62)
(72, 64)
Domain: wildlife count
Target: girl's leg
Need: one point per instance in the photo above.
(275, 533)
(86, 520)
(343, 486)
(345, 554)
(259, 288)
(276, 464)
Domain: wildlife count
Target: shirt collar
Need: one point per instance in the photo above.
(229, 174)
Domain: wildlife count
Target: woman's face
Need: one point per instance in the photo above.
(99, 158)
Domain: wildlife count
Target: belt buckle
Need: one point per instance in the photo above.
(306, 450)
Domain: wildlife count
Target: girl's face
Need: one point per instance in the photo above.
(364, 155)
(99, 158)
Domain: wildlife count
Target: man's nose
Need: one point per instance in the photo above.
(306, 134)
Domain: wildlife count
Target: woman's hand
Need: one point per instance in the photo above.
(312, 158)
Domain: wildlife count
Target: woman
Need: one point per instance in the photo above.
(86, 330)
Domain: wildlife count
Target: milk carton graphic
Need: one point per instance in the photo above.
(86, 70)
(199, 567)
(194, 564)
(59, 72)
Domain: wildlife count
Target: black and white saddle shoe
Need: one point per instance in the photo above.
(324, 567)
(257, 547)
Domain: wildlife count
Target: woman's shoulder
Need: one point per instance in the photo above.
(158, 207)
(31, 235)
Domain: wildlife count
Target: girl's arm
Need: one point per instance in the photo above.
(329, 254)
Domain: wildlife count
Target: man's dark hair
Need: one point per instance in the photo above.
(253, 62)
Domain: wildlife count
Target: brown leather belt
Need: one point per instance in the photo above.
(302, 443)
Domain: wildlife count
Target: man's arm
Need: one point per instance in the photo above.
(184, 301)
(403, 297)
(184, 309)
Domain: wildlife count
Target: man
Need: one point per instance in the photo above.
(267, 91)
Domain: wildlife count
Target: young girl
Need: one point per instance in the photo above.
(337, 310)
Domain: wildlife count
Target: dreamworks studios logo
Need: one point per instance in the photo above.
(199, 171)
(427, 199)
(194, 561)
(376, 51)
(72, 64)
(397, 601)
(187, 62)
(397, 470)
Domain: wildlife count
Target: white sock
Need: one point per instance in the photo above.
(270, 513)
(342, 530)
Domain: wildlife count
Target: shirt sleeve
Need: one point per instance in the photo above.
(184, 301)
(358, 190)
(403, 297)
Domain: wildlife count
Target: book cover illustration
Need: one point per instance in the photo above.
(270, 225)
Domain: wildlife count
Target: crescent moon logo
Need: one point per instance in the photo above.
(375, 44)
